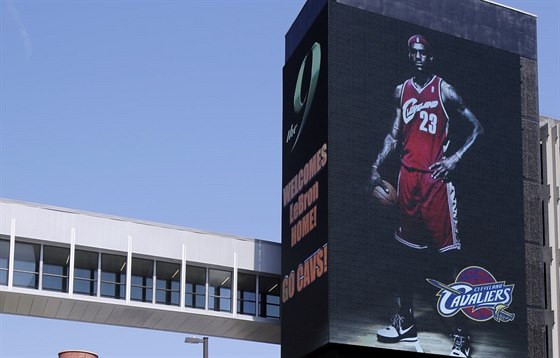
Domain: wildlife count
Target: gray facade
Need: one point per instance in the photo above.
(550, 164)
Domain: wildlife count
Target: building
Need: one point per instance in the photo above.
(77, 354)
(550, 178)
(365, 82)
(67, 264)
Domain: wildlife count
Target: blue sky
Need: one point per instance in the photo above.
(167, 111)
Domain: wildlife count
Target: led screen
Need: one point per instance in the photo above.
(305, 195)
(402, 195)
(440, 269)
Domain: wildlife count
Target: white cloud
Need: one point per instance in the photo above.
(23, 32)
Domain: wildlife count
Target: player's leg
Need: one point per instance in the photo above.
(460, 325)
(440, 212)
(412, 230)
(403, 325)
(443, 268)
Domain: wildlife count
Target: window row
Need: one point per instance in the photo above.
(105, 275)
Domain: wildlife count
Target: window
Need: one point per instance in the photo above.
(26, 265)
(142, 280)
(168, 283)
(246, 294)
(269, 297)
(113, 276)
(219, 295)
(4, 259)
(55, 268)
(195, 288)
(85, 272)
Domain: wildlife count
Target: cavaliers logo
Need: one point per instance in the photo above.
(477, 294)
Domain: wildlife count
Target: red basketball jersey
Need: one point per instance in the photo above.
(424, 124)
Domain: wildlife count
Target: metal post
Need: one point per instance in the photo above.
(205, 347)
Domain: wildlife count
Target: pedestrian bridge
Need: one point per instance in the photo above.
(73, 265)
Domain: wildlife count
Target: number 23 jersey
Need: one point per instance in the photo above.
(424, 124)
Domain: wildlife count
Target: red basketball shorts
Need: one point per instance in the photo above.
(428, 212)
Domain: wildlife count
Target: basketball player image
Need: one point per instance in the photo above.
(425, 108)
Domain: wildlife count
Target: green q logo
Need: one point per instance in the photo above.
(303, 102)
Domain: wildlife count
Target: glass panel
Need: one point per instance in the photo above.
(85, 272)
(4, 253)
(273, 311)
(4, 260)
(113, 263)
(142, 267)
(56, 257)
(58, 270)
(200, 301)
(269, 297)
(224, 292)
(112, 290)
(275, 300)
(85, 260)
(55, 268)
(246, 307)
(4, 277)
(219, 297)
(113, 276)
(224, 305)
(168, 283)
(26, 265)
(25, 279)
(55, 283)
(141, 294)
(86, 287)
(196, 276)
(142, 280)
(195, 289)
(246, 294)
(27, 257)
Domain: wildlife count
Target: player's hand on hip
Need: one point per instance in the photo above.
(444, 167)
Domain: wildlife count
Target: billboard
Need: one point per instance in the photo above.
(422, 218)
(304, 195)
(437, 117)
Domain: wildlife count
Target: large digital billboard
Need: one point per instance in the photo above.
(423, 213)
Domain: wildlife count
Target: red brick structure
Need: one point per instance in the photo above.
(77, 354)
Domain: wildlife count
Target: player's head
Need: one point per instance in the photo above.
(419, 51)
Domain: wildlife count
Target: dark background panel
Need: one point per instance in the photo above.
(304, 316)
(367, 59)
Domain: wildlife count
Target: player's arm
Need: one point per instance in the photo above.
(455, 103)
(391, 140)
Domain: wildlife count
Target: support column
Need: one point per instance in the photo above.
(12, 253)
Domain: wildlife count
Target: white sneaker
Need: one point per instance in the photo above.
(401, 329)
(461, 345)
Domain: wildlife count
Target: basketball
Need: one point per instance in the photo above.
(383, 197)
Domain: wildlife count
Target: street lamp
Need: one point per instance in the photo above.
(204, 342)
